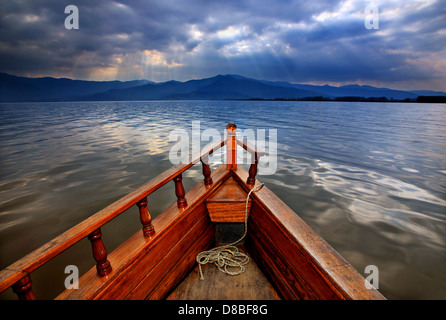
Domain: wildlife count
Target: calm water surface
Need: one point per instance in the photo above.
(370, 178)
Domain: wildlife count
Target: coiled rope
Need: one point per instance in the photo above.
(228, 256)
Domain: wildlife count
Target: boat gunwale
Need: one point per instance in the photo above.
(32, 261)
(128, 253)
(320, 253)
(45, 253)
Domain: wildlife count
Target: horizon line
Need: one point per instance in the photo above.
(219, 74)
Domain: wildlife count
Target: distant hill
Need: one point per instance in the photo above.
(13, 88)
(429, 93)
(352, 91)
(17, 89)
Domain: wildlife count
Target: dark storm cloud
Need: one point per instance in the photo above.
(277, 40)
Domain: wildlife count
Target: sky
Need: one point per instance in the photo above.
(315, 42)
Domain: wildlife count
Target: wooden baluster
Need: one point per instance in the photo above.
(206, 170)
(231, 147)
(23, 288)
(99, 253)
(179, 191)
(253, 170)
(146, 220)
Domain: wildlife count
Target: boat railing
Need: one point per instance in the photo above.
(18, 274)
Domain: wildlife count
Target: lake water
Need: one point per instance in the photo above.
(370, 178)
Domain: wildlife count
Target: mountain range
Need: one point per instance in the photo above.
(221, 87)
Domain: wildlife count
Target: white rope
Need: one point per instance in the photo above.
(228, 256)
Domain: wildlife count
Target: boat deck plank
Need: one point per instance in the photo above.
(250, 285)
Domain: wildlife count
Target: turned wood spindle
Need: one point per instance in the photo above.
(99, 253)
(146, 220)
(179, 191)
(206, 170)
(231, 147)
(23, 288)
(253, 170)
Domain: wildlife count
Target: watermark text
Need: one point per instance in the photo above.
(371, 20)
(372, 280)
(190, 143)
(72, 20)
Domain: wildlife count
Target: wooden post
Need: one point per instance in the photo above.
(146, 220)
(179, 191)
(23, 288)
(206, 170)
(231, 147)
(99, 253)
(253, 170)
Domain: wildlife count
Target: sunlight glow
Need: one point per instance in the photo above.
(31, 18)
(157, 58)
(229, 33)
(195, 33)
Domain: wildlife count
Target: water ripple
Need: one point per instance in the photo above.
(369, 177)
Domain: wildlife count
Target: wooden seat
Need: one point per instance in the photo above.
(227, 204)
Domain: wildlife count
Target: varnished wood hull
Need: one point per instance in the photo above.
(298, 263)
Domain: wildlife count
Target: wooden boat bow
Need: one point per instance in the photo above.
(148, 265)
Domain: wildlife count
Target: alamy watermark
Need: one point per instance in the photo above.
(371, 20)
(190, 143)
(372, 280)
(72, 20)
(72, 280)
